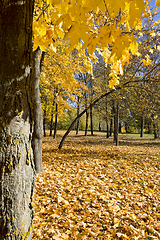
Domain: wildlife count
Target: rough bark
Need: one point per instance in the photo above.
(17, 169)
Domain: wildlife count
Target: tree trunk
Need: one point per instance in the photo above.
(142, 126)
(107, 119)
(120, 127)
(149, 127)
(126, 127)
(86, 128)
(114, 117)
(17, 169)
(44, 124)
(111, 126)
(155, 130)
(51, 125)
(91, 119)
(37, 115)
(116, 123)
(56, 121)
(77, 127)
(111, 121)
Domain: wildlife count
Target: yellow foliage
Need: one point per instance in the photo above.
(73, 21)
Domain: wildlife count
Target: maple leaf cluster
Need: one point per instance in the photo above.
(93, 190)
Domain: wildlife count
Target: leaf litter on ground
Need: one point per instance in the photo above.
(93, 190)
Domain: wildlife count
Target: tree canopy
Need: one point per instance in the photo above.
(92, 25)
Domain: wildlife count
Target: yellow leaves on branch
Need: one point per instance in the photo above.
(146, 61)
(71, 21)
(43, 35)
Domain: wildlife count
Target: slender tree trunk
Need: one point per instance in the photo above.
(111, 120)
(44, 124)
(100, 129)
(114, 117)
(91, 119)
(56, 122)
(126, 127)
(142, 125)
(155, 130)
(107, 119)
(111, 126)
(37, 116)
(149, 128)
(86, 128)
(77, 126)
(51, 125)
(120, 127)
(116, 123)
(17, 168)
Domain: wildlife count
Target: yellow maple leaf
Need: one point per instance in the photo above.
(157, 3)
(54, 2)
(134, 47)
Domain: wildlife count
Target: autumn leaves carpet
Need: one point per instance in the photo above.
(94, 190)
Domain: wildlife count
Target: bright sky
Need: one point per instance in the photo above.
(152, 3)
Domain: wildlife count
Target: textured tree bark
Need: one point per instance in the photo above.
(17, 168)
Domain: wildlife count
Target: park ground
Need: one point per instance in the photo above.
(91, 189)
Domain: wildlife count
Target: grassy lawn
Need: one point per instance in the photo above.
(91, 189)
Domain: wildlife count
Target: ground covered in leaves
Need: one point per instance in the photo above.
(92, 189)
